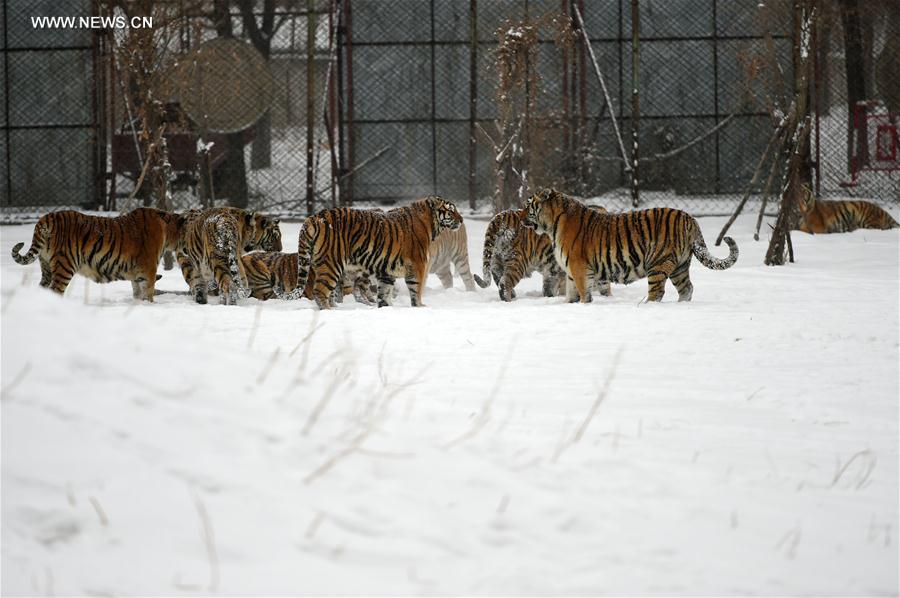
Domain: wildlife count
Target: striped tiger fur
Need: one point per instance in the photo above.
(389, 244)
(819, 216)
(451, 247)
(212, 244)
(513, 251)
(275, 274)
(656, 244)
(127, 247)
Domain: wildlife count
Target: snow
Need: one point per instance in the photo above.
(746, 442)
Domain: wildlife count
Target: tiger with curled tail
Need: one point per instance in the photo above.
(390, 245)
(513, 251)
(127, 247)
(451, 248)
(819, 216)
(656, 244)
(212, 246)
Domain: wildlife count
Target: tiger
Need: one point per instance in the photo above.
(513, 251)
(126, 247)
(212, 244)
(819, 216)
(389, 245)
(656, 244)
(451, 247)
(275, 274)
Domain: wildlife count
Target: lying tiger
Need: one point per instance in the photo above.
(274, 275)
(513, 251)
(391, 244)
(819, 216)
(656, 244)
(126, 247)
(212, 245)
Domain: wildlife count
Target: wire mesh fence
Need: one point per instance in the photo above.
(366, 102)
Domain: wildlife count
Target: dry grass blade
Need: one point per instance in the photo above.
(870, 462)
(356, 444)
(600, 397)
(256, 317)
(595, 406)
(4, 392)
(268, 367)
(339, 377)
(104, 520)
(209, 541)
(485, 414)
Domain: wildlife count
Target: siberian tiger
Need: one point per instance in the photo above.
(656, 244)
(513, 251)
(212, 244)
(451, 247)
(819, 216)
(389, 244)
(126, 247)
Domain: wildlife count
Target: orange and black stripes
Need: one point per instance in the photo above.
(451, 248)
(212, 245)
(819, 216)
(656, 244)
(513, 251)
(126, 247)
(388, 244)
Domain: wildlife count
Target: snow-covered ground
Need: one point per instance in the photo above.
(745, 443)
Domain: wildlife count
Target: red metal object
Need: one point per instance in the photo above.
(885, 157)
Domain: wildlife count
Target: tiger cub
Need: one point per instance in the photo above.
(656, 244)
(126, 247)
(513, 251)
(390, 245)
(212, 245)
(451, 247)
(819, 216)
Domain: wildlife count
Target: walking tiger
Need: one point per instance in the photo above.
(656, 244)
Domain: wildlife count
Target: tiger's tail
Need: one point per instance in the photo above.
(277, 283)
(304, 260)
(490, 238)
(38, 239)
(699, 249)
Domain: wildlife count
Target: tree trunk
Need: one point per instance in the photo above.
(856, 78)
(231, 174)
(261, 150)
(231, 183)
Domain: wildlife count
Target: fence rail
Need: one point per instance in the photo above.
(376, 102)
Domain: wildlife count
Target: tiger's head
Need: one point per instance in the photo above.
(444, 213)
(266, 235)
(540, 210)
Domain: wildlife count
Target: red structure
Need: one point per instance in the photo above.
(873, 124)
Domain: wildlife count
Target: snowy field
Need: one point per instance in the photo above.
(745, 443)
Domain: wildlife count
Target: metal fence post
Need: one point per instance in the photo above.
(635, 101)
(310, 101)
(473, 99)
(351, 157)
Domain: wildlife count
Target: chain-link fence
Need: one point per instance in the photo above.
(362, 102)
(857, 99)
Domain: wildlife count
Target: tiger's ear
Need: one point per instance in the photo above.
(248, 219)
(805, 200)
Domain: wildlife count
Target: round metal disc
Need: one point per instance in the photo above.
(224, 85)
